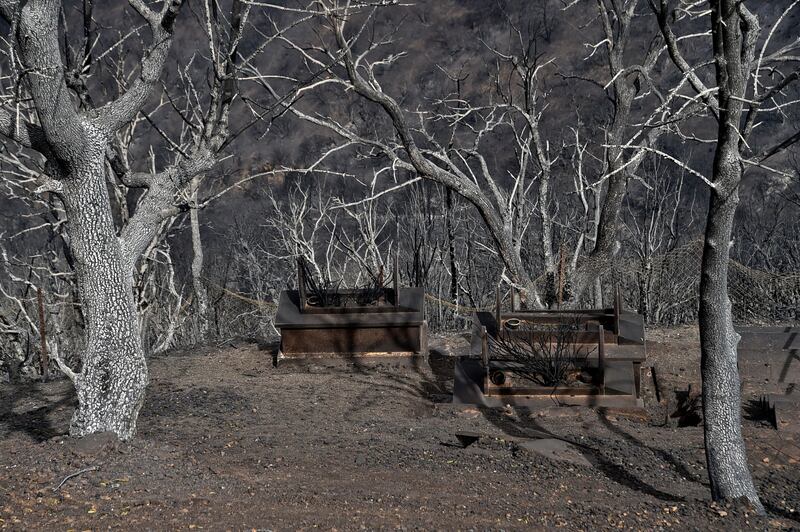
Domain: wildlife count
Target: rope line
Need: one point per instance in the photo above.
(270, 304)
(667, 285)
(242, 297)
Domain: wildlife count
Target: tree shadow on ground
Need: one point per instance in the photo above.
(781, 512)
(168, 401)
(523, 426)
(678, 466)
(37, 423)
(427, 378)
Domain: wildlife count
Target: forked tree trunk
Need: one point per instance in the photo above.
(111, 383)
(113, 378)
(726, 455)
(451, 246)
(734, 33)
(198, 257)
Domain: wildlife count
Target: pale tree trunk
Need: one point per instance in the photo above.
(735, 35)
(200, 292)
(541, 152)
(509, 253)
(76, 142)
(547, 223)
(113, 378)
(726, 455)
(111, 383)
(725, 449)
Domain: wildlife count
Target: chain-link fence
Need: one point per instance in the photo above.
(665, 287)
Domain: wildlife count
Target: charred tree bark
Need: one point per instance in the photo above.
(627, 80)
(43, 362)
(726, 455)
(114, 376)
(735, 35)
(725, 449)
(78, 142)
(624, 139)
(608, 227)
(200, 292)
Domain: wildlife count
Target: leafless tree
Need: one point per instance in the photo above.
(450, 140)
(627, 79)
(657, 221)
(79, 140)
(36, 314)
(765, 233)
(340, 242)
(446, 143)
(629, 84)
(753, 78)
(198, 259)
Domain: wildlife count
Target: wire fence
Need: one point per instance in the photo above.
(663, 288)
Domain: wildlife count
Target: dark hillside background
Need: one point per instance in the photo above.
(441, 41)
(435, 35)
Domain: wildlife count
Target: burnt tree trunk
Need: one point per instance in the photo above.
(617, 19)
(608, 228)
(76, 142)
(726, 455)
(725, 449)
(113, 378)
(735, 32)
(111, 383)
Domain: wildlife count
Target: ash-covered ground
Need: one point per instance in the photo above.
(227, 441)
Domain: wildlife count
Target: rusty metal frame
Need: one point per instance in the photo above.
(493, 389)
(614, 346)
(391, 293)
(392, 329)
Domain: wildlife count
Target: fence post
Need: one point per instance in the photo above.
(301, 283)
(42, 334)
(497, 312)
(601, 357)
